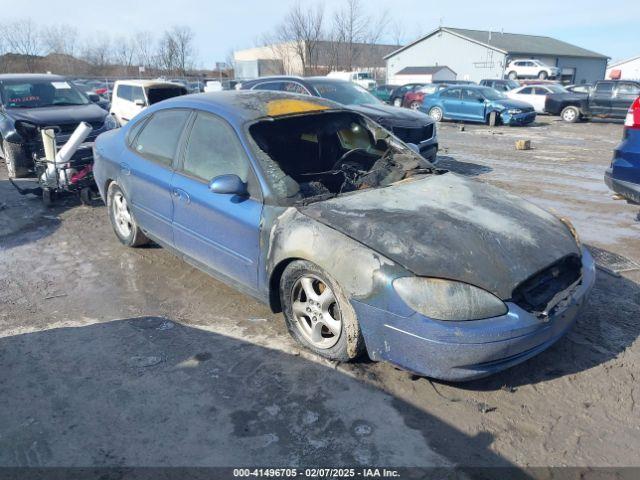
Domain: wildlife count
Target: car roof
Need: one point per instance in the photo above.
(147, 83)
(30, 76)
(248, 105)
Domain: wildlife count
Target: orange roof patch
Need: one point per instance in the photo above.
(288, 106)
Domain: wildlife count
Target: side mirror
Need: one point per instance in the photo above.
(139, 102)
(228, 185)
(94, 97)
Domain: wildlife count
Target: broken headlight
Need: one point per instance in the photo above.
(514, 111)
(448, 300)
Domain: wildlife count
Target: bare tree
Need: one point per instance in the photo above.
(302, 32)
(124, 51)
(145, 50)
(184, 49)
(98, 52)
(21, 37)
(59, 39)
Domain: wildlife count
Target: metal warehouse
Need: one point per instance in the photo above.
(478, 54)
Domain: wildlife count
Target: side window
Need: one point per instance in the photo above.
(541, 91)
(124, 92)
(268, 86)
(470, 94)
(604, 87)
(453, 93)
(159, 138)
(137, 94)
(628, 89)
(526, 91)
(214, 149)
(133, 131)
(293, 87)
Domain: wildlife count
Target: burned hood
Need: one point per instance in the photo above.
(447, 226)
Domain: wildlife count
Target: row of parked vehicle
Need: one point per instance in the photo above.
(457, 100)
(292, 191)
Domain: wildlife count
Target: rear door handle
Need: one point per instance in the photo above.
(124, 168)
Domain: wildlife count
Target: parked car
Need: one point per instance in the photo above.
(411, 127)
(609, 99)
(498, 84)
(31, 101)
(477, 104)
(413, 98)
(623, 175)
(364, 79)
(552, 99)
(530, 68)
(383, 92)
(132, 96)
(363, 245)
(396, 98)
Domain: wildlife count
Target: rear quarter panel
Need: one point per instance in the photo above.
(107, 151)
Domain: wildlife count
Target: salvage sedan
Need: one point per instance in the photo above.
(359, 241)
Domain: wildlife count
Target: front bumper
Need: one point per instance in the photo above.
(459, 351)
(628, 190)
(518, 118)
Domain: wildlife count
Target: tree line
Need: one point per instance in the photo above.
(28, 47)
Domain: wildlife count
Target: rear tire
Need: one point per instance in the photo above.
(436, 113)
(513, 75)
(325, 310)
(122, 221)
(570, 114)
(16, 159)
(543, 75)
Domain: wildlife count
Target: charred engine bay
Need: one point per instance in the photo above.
(330, 153)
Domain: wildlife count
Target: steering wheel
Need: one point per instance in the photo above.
(346, 155)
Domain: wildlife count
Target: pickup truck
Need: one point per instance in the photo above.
(607, 99)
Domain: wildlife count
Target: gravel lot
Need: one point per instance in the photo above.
(120, 357)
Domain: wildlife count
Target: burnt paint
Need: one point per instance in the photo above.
(450, 227)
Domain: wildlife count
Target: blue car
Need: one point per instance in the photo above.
(326, 216)
(623, 176)
(474, 103)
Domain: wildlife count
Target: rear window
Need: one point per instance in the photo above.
(157, 94)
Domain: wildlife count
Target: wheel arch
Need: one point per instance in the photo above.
(274, 282)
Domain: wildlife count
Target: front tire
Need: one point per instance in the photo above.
(513, 75)
(436, 113)
(543, 75)
(570, 114)
(318, 314)
(16, 159)
(122, 221)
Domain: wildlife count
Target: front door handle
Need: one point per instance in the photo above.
(124, 169)
(181, 194)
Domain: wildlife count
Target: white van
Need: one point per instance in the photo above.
(364, 79)
(130, 97)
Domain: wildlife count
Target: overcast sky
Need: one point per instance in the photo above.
(610, 28)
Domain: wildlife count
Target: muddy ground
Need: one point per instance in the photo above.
(113, 356)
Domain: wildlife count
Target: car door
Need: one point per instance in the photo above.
(623, 96)
(146, 170)
(138, 101)
(473, 105)
(452, 102)
(600, 101)
(219, 231)
(539, 98)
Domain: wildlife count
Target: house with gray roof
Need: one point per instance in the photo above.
(478, 54)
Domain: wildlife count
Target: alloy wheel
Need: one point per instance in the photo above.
(316, 311)
(122, 215)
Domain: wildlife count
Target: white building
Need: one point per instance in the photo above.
(625, 69)
(478, 54)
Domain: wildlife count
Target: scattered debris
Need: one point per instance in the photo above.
(484, 408)
(55, 296)
(523, 144)
(461, 128)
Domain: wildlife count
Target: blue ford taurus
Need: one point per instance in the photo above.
(623, 175)
(358, 240)
(477, 104)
